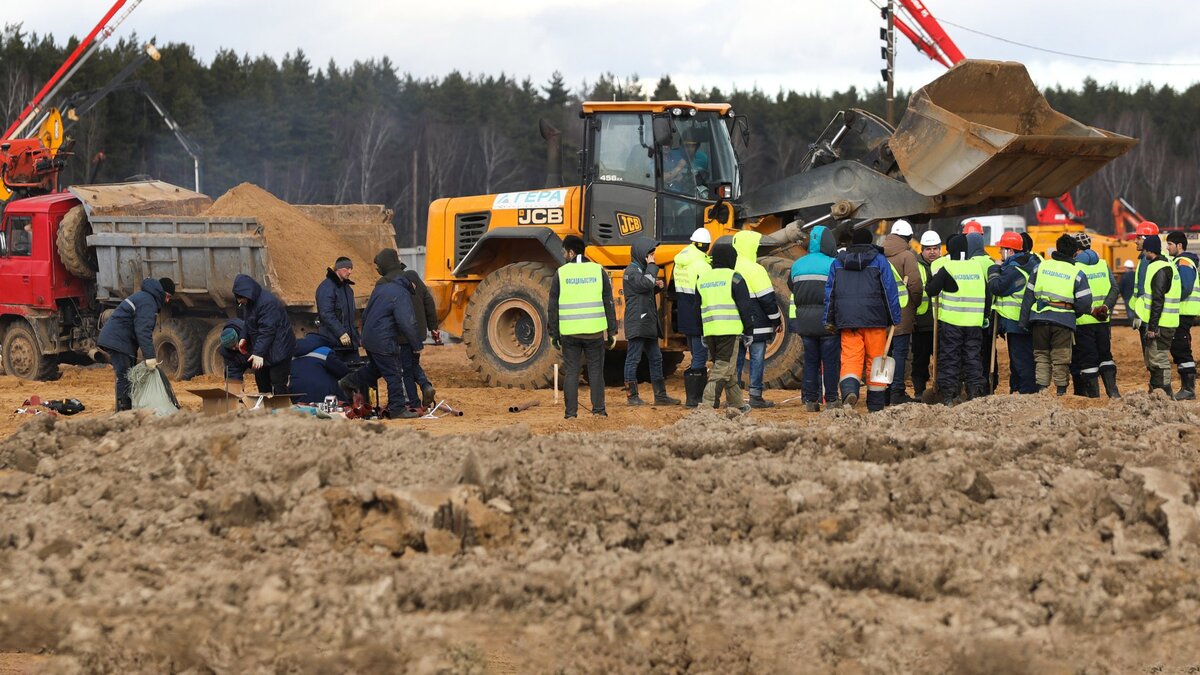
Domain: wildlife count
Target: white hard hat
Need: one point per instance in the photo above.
(701, 236)
(1128, 264)
(902, 228)
(930, 238)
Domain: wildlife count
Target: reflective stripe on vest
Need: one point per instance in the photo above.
(1100, 281)
(690, 263)
(1170, 312)
(923, 308)
(1189, 306)
(901, 287)
(1009, 306)
(581, 299)
(1055, 283)
(965, 306)
(718, 312)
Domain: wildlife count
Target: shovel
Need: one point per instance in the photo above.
(883, 368)
(930, 395)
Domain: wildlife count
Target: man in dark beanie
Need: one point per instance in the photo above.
(130, 328)
(1156, 300)
(581, 321)
(389, 314)
(725, 314)
(336, 309)
(1189, 308)
(1057, 293)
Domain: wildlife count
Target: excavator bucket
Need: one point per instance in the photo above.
(143, 198)
(983, 134)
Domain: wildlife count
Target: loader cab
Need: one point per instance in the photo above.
(650, 169)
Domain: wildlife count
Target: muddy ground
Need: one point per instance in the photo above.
(1009, 534)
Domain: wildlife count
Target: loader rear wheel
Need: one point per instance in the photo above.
(23, 357)
(72, 246)
(505, 327)
(783, 368)
(177, 344)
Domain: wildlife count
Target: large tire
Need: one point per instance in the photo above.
(211, 362)
(177, 344)
(505, 327)
(22, 356)
(784, 365)
(76, 255)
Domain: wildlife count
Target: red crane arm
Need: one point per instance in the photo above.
(920, 42)
(84, 45)
(925, 19)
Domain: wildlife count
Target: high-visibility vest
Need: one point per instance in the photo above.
(718, 312)
(1189, 306)
(758, 280)
(1055, 283)
(1170, 312)
(901, 287)
(581, 299)
(1009, 306)
(965, 306)
(1100, 281)
(923, 308)
(985, 262)
(689, 264)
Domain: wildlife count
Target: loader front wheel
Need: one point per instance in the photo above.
(505, 327)
(71, 242)
(784, 364)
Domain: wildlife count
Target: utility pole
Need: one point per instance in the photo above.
(888, 35)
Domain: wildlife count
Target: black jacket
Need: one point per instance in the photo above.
(639, 287)
(1160, 284)
(236, 363)
(390, 314)
(268, 327)
(131, 325)
(316, 369)
(336, 309)
(423, 306)
(610, 312)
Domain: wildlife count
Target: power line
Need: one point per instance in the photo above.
(1061, 53)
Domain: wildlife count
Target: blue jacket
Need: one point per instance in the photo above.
(809, 275)
(335, 308)
(268, 328)
(316, 370)
(236, 363)
(1187, 274)
(1034, 311)
(861, 291)
(131, 325)
(391, 313)
(1006, 279)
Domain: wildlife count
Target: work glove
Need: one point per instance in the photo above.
(256, 362)
(830, 328)
(345, 339)
(152, 364)
(1100, 313)
(1136, 323)
(747, 340)
(1151, 333)
(437, 336)
(612, 341)
(556, 344)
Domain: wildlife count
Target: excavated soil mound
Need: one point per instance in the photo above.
(1004, 535)
(300, 248)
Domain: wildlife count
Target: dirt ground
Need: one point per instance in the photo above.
(1011, 534)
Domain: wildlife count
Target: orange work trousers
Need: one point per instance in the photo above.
(859, 347)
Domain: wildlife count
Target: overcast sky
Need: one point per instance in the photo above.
(803, 44)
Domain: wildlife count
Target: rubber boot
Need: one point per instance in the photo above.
(1077, 383)
(812, 407)
(660, 394)
(1109, 378)
(876, 400)
(348, 386)
(1062, 391)
(694, 381)
(849, 389)
(1187, 387)
(428, 395)
(631, 393)
(1163, 379)
(1091, 384)
(833, 404)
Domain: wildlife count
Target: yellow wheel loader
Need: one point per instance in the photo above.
(980, 137)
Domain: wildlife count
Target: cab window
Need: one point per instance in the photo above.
(18, 237)
(624, 149)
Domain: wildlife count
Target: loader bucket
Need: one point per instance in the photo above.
(983, 134)
(143, 198)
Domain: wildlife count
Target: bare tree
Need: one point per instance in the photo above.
(373, 139)
(499, 159)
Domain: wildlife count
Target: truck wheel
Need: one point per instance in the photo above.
(783, 368)
(22, 356)
(505, 327)
(211, 362)
(76, 256)
(177, 344)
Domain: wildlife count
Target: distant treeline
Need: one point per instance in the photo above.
(366, 132)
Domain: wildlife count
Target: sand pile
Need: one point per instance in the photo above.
(1005, 535)
(300, 248)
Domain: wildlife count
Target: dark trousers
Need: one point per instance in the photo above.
(121, 364)
(987, 355)
(922, 350)
(1021, 374)
(900, 348)
(822, 363)
(273, 379)
(1181, 346)
(414, 374)
(633, 357)
(1093, 348)
(959, 359)
(574, 352)
(391, 369)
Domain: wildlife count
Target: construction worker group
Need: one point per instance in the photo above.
(866, 311)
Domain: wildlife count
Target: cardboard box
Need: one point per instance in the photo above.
(216, 401)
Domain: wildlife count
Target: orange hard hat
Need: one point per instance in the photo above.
(1146, 229)
(972, 227)
(1012, 240)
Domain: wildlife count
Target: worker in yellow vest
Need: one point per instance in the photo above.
(1189, 307)
(725, 312)
(922, 339)
(1092, 358)
(1056, 294)
(689, 264)
(960, 285)
(1156, 299)
(582, 320)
